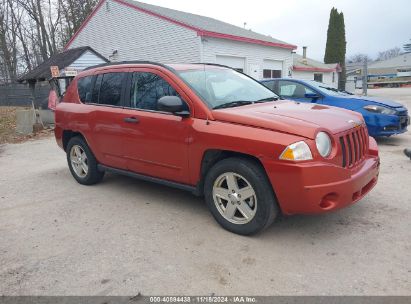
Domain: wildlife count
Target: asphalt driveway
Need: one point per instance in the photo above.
(125, 236)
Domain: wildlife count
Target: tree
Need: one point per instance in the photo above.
(74, 13)
(335, 49)
(33, 30)
(359, 58)
(407, 47)
(8, 44)
(387, 54)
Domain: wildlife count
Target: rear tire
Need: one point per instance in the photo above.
(240, 197)
(82, 163)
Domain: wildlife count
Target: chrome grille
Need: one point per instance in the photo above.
(354, 146)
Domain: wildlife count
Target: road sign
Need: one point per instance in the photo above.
(55, 72)
(70, 72)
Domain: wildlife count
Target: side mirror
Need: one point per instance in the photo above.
(312, 96)
(172, 104)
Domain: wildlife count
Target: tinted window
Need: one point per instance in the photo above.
(319, 77)
(84, 88)
(147, 89)
(96, 90)
(293, 89)
(110, 88)
(271, 73)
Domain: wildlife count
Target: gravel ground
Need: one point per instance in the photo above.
(124, 236)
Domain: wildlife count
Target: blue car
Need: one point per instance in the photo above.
(383, 117)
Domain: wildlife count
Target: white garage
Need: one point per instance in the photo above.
(124, 30)
(237, 63)
(273, 68)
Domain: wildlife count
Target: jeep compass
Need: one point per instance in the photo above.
(218, 133)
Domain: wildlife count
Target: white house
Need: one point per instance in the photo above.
(310, 69)
(77, 59)
(123, 30)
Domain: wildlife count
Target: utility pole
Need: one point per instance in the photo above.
(365, 77)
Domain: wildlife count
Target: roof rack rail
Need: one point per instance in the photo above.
(128, 62)
(215, 64)
(150, 62)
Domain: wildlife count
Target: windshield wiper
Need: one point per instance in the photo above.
(267, 99)
(330, 89)
(234, 104)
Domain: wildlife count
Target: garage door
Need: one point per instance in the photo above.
(272, 68)
(237, 63)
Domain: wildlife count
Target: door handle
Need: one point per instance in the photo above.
(131, 120)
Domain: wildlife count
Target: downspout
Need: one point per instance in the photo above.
(200, 44)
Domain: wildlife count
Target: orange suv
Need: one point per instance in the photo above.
(215, 132)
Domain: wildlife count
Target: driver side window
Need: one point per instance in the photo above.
(293, 89)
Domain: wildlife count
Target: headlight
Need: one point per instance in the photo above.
(297, 151)
(380, 110)
(323, 143)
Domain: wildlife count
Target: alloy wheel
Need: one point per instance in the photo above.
(78, 159)
(234, 198)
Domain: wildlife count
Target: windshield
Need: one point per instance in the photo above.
(326, 89)
(222, 87)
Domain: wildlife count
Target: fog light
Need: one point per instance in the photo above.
(329, 201)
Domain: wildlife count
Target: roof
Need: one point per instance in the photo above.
(381, 67)
(62, 60)
(400, 61)
(311, 65)
(204, 26)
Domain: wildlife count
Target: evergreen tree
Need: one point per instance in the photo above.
(336, 44)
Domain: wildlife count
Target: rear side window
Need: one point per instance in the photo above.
(96, 89)
(110, 89)
(84, 88)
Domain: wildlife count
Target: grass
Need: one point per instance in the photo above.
(8, 132)
(7, 124)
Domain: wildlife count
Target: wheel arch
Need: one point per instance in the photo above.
(69, 134)
(213, 156)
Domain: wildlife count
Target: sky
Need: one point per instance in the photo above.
(371, 26)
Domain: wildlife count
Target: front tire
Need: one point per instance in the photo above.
(82, 163)
(240, 197)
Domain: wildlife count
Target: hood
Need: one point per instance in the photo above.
(302, 119)
(378, 101)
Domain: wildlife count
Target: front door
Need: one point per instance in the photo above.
(156, 143)
(295, 91)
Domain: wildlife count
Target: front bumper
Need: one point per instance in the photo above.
(319, 187)
(387, 125)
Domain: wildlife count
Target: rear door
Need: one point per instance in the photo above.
(156, 143)
(109, 117)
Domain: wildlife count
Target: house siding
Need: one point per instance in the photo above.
(254, 54)
(327, 77)
(87, 59)
(137, 36)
